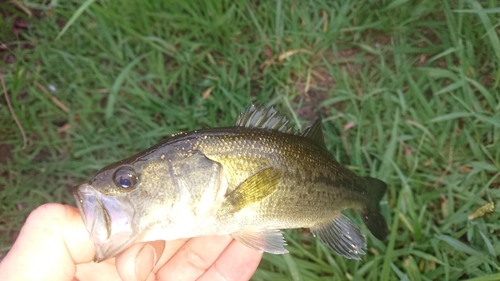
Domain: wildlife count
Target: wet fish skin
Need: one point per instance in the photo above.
(248, 181)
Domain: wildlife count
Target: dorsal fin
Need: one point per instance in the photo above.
(265, 118)
(315, 132)
(269, 118)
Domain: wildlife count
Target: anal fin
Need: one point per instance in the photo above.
(270, 241)
(342, 236)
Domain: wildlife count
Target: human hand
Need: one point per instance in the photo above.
(54, 245)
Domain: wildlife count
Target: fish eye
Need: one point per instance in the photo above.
(125, 178)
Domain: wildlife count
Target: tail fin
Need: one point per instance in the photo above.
(371, 215)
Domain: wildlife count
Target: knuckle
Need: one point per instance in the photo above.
(193, 259)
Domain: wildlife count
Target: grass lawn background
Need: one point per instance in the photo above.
(408, 91)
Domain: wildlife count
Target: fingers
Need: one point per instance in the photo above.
(193, 258)
(171, 248)
(51, 242)
(135, 263)
(138, 261)
(200, 258)
(236, 263)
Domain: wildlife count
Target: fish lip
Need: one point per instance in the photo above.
(83, 194)
(108, 223)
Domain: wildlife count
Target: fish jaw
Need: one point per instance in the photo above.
(107, 220)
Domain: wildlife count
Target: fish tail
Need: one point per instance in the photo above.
(371, 215)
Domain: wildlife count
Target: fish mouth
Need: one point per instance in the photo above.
(86, 202)
(107, 219)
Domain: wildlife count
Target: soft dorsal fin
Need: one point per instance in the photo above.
(265, 118)
(315, 132)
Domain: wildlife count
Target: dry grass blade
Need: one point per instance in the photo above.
(9, 105)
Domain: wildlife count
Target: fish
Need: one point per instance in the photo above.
(250, 181)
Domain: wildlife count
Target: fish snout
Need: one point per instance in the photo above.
(86, 203)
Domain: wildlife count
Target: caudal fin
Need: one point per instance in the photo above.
(371, 215)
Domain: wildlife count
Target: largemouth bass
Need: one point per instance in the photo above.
(248, 181)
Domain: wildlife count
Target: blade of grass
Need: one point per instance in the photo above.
(389, 253)
(74, 17)
(493, 277)
(113, 93)
(294, 271)
(490, 30)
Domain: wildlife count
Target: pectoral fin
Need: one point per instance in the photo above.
(342, 236)
(270, 241)
(254, 189)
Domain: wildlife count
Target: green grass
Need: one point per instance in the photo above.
(416, 82)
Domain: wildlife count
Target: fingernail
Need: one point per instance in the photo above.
(145, 262)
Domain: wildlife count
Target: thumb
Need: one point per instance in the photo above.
(51, 242)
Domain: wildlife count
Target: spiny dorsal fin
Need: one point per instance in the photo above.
(315, 132)
(265, 118)
(269, 118)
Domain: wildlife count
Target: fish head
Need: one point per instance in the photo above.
(163, 196)
(107, 210)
